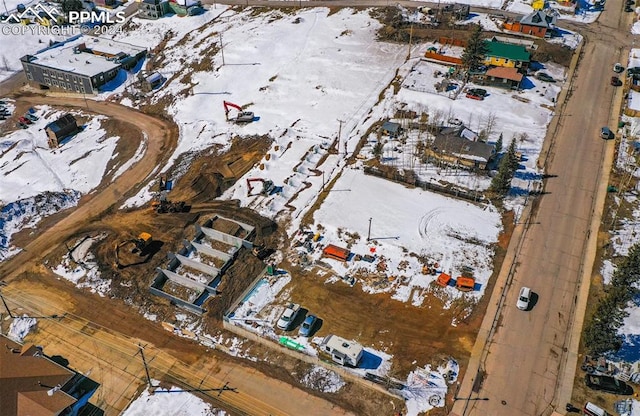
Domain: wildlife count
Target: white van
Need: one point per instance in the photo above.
(591, 409)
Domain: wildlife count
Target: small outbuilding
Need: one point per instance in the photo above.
(152, 81)
(391, 129)
(63, 127)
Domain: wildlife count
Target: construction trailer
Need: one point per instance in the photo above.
(337, 253)
(465, 284)
(342, 351)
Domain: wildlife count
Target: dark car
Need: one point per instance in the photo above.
(615, 81)
(308, 325)
(544, 77)
(628, 9)
(608, 384)
(633, 71)
(478, 91)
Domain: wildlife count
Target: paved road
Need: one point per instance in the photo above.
(530, 361)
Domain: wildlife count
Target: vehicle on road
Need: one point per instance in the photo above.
(591, 409)
(615, 81)
(606, 133)
(634, 70)
(523, 298)
(608, 384)
(308, 325)
(545, 77)
(618, 68)
(288, 317)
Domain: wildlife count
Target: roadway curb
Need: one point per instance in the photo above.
(480, 347)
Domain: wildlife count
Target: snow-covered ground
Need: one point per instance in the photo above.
(170, 402)
(38, 181)
(20, 327)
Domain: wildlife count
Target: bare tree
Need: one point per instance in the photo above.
(490, 123)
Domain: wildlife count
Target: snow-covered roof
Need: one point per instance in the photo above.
(70, 58)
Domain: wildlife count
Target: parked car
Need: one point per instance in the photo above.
(478, 91)
(307, 326)
(606, 133)
(288, 317)
(31, 117)
(474, 96)
(545, 77)
(628, 9)
(634, 71)
(608, 384)
(618, 68)
(523, 298)
(25, 121)
(615, 81)
(22, 126)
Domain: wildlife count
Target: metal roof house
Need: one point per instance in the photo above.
(32, 384)
(392, 129)
(342, 351)
(63, 127)
(457, 146)
(506, 54)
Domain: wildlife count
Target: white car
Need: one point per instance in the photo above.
(288, 316)
(523, 298)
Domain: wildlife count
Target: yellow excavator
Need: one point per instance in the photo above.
(138, 247)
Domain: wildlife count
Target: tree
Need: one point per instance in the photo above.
(377, 150)
(474, 53)
(501, 183)
(499, 144)
(512, 158)
(72, 5)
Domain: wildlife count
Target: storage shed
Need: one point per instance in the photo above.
(63, 127)
(335, 252)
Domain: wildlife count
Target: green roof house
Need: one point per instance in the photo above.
(506, 55)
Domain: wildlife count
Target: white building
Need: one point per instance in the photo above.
(342, 351)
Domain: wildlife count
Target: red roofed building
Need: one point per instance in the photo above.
(500, 76)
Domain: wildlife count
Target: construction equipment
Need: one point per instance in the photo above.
(162, 205)
(139, 244)
(241, 117)
(267, 186)
(260, 252)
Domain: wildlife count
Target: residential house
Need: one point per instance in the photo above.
(507, 55)
(391, 129)
(33, 384)
(459, 146)
(500, 76)
(63, 127)
(538, 23)
(153, 9)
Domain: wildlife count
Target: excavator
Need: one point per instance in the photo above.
(267, 186)
(138, 248)
(241, 117)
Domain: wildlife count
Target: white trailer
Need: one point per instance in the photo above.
(342, 351)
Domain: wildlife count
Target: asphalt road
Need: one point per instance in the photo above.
(529, 351)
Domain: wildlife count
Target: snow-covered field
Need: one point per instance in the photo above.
(170, 402)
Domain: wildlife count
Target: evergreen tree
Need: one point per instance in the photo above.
(377, 150)
(512, 158)
(499, 144)
(71, 5)
(474, 53)
(501, 183)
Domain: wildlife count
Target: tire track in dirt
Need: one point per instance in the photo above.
(163, 137)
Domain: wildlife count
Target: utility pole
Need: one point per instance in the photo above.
(221, 47)
(340, 134)
(369, 232)
(410, 39)
(144, 361)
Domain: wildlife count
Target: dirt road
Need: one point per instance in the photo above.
(528, 362)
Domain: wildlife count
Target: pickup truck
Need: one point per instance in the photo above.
(288, 317)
